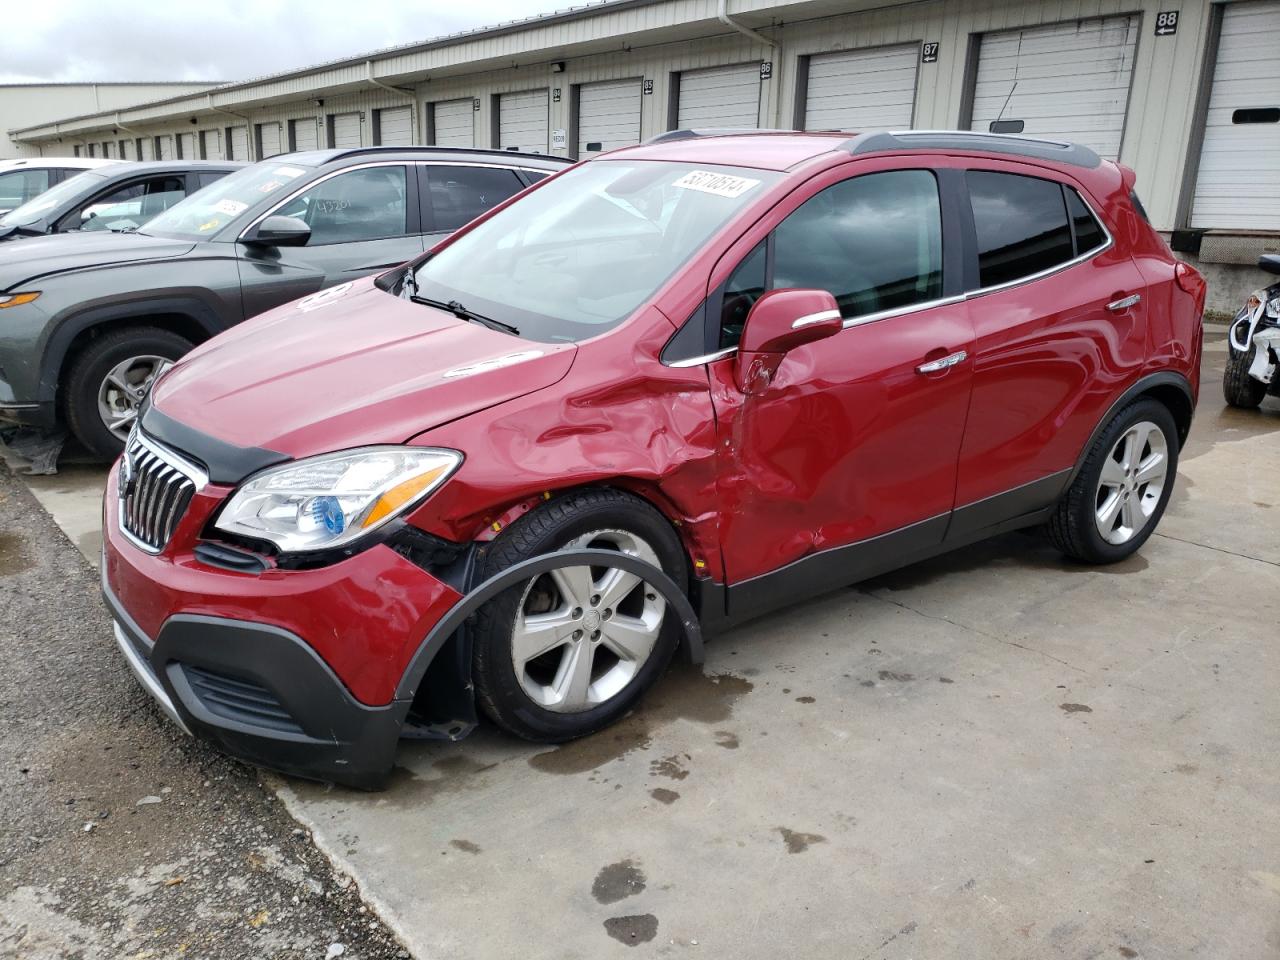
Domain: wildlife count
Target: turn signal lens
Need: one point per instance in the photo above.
(17, 299)
(402, 493)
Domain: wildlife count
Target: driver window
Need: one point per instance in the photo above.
(367, 204)
(130, 206)
(874, 242)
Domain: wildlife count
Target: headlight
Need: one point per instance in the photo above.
(17, 299)
(330, 500)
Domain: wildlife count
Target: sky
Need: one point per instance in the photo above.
(121, 40)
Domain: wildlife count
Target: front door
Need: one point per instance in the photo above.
(858, 435)
(362, 221)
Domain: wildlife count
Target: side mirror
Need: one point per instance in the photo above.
(782, 320)
(280, 231)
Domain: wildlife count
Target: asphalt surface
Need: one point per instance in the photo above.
(119, 836)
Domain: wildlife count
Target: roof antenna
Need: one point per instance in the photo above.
(1017, 63)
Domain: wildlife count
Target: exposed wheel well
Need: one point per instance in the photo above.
(179, 323)
(1178, 404)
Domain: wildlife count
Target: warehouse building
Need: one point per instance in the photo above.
(1187, 92)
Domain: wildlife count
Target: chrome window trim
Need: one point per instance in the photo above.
(705, 358)
(812, 318)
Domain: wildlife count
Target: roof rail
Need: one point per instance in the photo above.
(885, 141)
(333, 154)
(673, 135)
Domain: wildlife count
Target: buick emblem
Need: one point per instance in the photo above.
(127, 476)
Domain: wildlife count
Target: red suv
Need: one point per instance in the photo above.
(658, 393)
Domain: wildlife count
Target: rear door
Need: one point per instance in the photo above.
(852, 440)
(1060, 329)
(362, 221)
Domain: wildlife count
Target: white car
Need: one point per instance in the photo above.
(25, 179)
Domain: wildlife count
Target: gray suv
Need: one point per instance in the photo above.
(120, 197)
(88, 320)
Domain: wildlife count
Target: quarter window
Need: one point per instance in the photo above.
(1089, 235)
(18, 187)
(361, 205)
(1021, 225)
(460, 194)
(874, 242)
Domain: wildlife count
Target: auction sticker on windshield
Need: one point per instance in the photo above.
(720, 184)
(230, 207)
(290, 172)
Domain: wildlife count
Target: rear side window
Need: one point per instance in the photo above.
(1089, 235)
(1137, 205)
(1021, 225)
(460, 194)
(210, 176)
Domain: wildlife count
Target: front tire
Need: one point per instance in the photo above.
(1122, 489)
(1238, 388)
(108, 381)
(568, 653)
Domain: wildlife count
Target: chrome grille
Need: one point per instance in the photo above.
(156, 487)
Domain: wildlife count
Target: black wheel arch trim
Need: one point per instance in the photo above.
(1165, 378)
(458, 616)
(67, 328)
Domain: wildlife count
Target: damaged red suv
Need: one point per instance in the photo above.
(659, 393)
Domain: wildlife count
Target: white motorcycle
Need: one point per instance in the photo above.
(1253, 343)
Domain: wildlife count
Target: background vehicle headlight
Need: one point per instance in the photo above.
(331, 500)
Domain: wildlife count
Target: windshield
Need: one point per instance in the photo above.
(579, 255)
(207, 211)
(37, 208)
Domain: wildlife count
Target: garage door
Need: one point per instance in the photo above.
(269, 140)
(454, 123)
(720, 97)
(303, 134)
(862, 89)
(395, 127)
(237, 143)
(1238, 182)
(344, 130)
(522, 121)
(608, 115)
(165, 146)
(1068, 81)
(187, 146)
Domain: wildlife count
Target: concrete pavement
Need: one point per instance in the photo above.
(992, 754)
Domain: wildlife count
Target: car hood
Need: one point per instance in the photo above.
(38, 257)
(350, 366)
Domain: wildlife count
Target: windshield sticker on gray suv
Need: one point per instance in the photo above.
(230, 207)
(720, 184)
(290, 172)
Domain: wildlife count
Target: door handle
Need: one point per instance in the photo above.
(1124, 303)
(946, 363)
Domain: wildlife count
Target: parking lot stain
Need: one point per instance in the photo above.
(945, 680)
(589, 753)
(806, 700)
(663, 795)
(13, 556)
(618, 881)
(896, 677)
(672, 767)
(466, 846)
(457, 773)
(798, 842)
(1074, 708)
(1127, 951)
(727, 739)
(1187, 768)
(866, 683)
(632, 931)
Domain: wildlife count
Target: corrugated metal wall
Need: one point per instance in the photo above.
(1158, 136)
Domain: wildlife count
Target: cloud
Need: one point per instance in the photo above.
(120, 40)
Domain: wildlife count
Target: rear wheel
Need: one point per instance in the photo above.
(1123, 487)
(569, 652)
(1240, 389)
(110, 378)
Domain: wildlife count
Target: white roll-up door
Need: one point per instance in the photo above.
(238, 147)
(395, 126)
(303, 132)
(608, 115)
(345, 131)
(109, 150)
(126, 150)
(187, 146)
(211, 144)
(269, 140)
(166, 147)
(1238, 181)
(522, 121)
(148, 149)
(862, 89)
(454, 123)
(1067, 81)
(720, 97)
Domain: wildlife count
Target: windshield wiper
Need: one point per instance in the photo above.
(462, 313)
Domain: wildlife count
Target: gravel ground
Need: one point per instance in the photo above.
(119, 836)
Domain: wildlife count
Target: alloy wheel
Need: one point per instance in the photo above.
(123, 389)
(1132, 482)
(581, 634)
